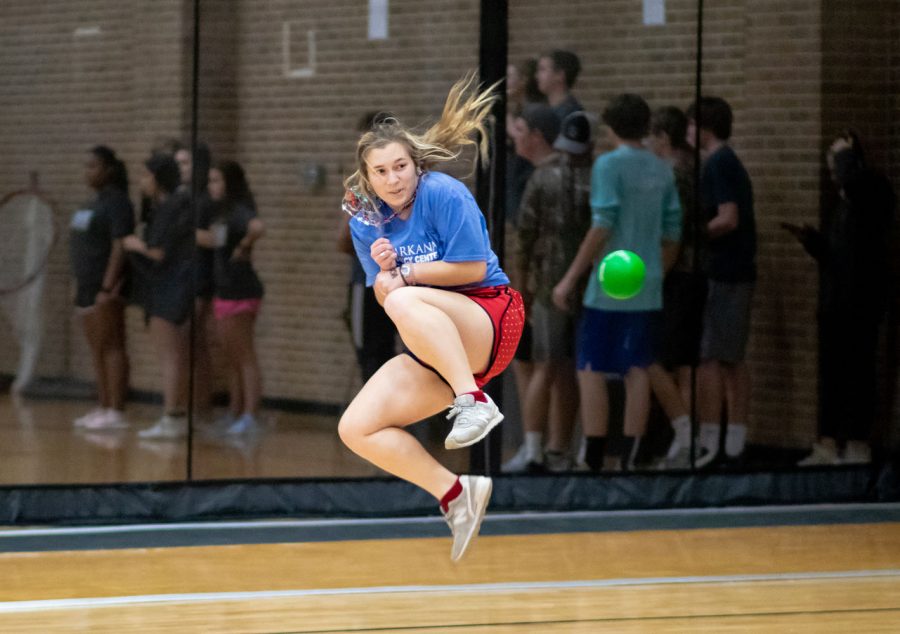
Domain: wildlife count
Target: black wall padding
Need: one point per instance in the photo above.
(209, 500)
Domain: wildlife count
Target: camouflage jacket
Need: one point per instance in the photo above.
(554, 217)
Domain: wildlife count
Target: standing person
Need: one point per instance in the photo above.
(521, 91)
(98, 264)
(726, 196)
(556, 215)
(237, 290)
(684, 290)
(441, 284)
(634, 206)
(194, 171)
(557, 72)
(852, 249)
(164, 258)
(373, 332)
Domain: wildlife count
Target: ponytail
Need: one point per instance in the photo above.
(466, 111)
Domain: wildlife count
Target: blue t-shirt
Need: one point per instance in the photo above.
(445, 224)
(633, 195)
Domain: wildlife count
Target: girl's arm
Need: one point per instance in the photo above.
(134, 244)
(113, 274)
(255, 230)
(440, 273)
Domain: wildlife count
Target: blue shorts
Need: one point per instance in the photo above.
(614, 341)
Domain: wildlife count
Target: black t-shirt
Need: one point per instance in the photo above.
(204, 257)
(731, 257)
(169, 283)
(567, 106)
(854, 261)
(235, 279)
(110, 216)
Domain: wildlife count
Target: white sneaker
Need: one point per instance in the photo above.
(678, 456)
(245, 424)
(708, 447)
(557, 462)
(857, 452)
(821, 455)
(523, 461)
(464, 514)
(166, 428)
(109, 419)
(81, 421)
(473, 421)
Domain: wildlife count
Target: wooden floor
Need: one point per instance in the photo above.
(821, 578)
(39, 445)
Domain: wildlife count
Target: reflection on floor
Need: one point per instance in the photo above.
(40, 445)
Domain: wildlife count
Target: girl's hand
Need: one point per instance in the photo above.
(382, 251)
(133, 243)
(387, 281)
(241, 253)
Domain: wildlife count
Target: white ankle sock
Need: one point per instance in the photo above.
(534, 444)
(735, 439)
(709, 436)
(682, 427)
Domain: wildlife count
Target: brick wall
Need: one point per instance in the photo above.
(128, 85)
(75, 75)
(765, 62)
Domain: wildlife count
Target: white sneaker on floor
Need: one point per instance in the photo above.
(109, 419)
(83, 420)
(465, 513)
(708, 442)
(472, 420)
(523, 461)
(166, 428)
(557, 462)
(245, 424)
(821, 455)
(857, 452)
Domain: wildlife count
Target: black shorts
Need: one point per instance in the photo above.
(524, 351)
(681, 326)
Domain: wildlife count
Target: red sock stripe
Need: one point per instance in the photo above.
(479, 396)
(451, 495)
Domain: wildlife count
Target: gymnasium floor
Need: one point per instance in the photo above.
(39, 445)
(776, 569)
(811, 569)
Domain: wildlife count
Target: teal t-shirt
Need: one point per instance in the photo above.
(633, 195)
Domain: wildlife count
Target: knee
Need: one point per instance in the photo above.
(399, 303)
(348, 431)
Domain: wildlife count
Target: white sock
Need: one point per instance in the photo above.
(534, 445)
(709, 436)
(682, 426)
(735, 439)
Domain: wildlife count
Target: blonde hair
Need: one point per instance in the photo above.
(466, 110)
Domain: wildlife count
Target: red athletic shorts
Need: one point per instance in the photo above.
(507, 312)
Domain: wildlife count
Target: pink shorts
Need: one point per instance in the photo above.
(223, 308)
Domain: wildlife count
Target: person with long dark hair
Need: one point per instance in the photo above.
(852, 250)
(194, 167)
(237, 289)
(98, 264)
(164, 256)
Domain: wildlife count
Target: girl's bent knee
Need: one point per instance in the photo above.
(348, 431)
(399, 302)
